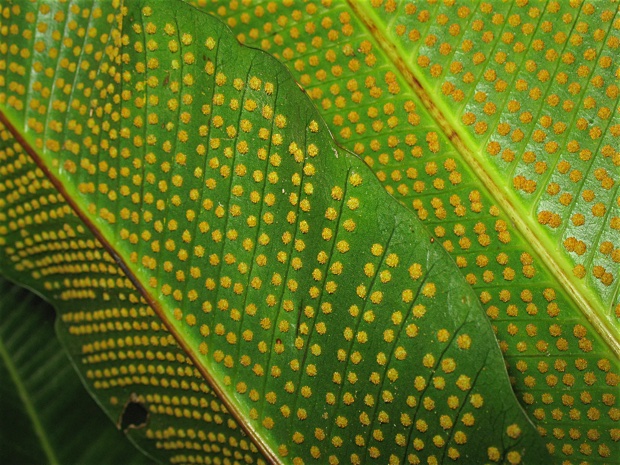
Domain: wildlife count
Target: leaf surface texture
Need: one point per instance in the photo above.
(498, 125)
(207, 212)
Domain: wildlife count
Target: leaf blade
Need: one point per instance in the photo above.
(346, 72)
(295, 127)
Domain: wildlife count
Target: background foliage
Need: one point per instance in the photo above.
(47, 416)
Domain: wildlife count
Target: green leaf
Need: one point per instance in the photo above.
(47, 417)
(497, 123)
(215, 258)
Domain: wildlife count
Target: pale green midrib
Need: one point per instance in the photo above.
(465, 146)
(586, 300)
(28, 405)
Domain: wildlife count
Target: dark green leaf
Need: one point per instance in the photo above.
(497, 124)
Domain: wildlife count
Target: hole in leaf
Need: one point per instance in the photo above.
(135, 415)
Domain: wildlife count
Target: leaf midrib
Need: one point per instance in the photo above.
(508, 201)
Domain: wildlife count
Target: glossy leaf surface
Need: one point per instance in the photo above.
(497, 123)
(46, 415)
(186, 209)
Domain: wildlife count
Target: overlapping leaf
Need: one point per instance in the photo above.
(497, 124)
(186, 209)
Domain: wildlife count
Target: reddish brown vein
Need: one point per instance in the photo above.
(150, 299)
